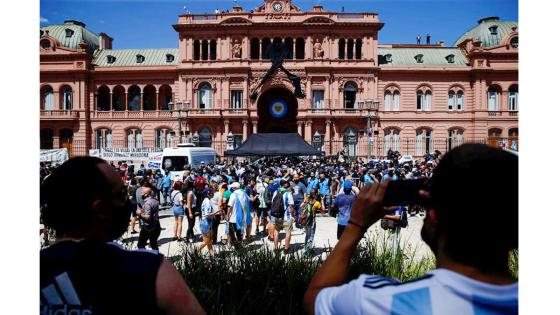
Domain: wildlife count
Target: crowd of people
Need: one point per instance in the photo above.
(467, 226)
(275, 194)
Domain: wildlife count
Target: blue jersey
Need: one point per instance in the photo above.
(344, 203)
(439, 292)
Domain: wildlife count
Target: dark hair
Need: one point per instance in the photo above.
(65, 205)
(189, 184)
(177, 185)
(474, 192)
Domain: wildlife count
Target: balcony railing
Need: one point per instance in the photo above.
(59, 114)
(502, 113)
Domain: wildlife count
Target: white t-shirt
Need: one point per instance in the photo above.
(439, 292)
(236, 201)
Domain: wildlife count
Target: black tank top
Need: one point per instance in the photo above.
(93, 277)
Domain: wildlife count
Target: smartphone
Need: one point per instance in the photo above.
(401, 192)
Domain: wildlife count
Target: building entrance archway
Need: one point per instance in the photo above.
(277, 110)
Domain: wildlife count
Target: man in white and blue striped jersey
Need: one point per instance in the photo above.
(470, 228)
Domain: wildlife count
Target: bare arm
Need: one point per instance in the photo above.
(173, 295)
(365, 211)
(189, 204)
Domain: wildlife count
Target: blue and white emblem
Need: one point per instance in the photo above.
(278, 109)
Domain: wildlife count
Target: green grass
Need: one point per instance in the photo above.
(259, 281)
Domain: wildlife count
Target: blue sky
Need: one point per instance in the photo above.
(147, 23)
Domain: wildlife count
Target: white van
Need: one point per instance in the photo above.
(175, 159)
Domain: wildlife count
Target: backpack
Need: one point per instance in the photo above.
(277, 209)
(404, 219)
(305, 217)
(199, 183)
(268, 196)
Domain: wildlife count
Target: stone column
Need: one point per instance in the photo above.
(56, 140)
(328, 136)
(245, 129)
(111, 101)
(260, 56)
(190, 49)
(308, 135)
(219, 49)
(255, 124)
(309, 95)
(308, 48)
(157, 100)
(245, 53)
(95, 101)
(300, 128)
(57, 105)
(125, 100)
(226, 128)
(141, 101)
(334, 48)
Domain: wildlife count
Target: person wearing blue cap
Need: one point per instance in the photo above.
(343, 203)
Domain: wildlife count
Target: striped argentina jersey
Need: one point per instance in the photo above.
(439, 292)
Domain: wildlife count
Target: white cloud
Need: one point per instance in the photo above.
(44, 20)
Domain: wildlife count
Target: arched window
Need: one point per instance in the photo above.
(134, 138)
(341, 49)
(514, 42)
(387, 100)
(103, 98)
(451, 100)
(46, 138)
(204, 49)
(455, 138)
(196, 50)
(149, 98)
(165, 97)
(494, 133)
(119, 98)
(205, 96)
(289, 42)
(67, 98)
(164, 138)
(493, 99)
(396, 100)
(48, 98)
(358, 48)
(103, 138)
(350, 141)
(300, 48)
(213, 49)
(423, 141)
(205, 137)
(423, 100)
(460, 100)
(512, 98)
(391, 140)
(134, 98)
(255, 49)
(513, 132)
(350, 91)
(65, 137)
(350, 49)
(265, 45)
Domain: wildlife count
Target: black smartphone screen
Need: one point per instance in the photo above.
(400, 192)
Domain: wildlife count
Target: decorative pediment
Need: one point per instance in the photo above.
(236, 21)
(318, 20)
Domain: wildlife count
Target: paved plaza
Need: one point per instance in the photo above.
(325, 236)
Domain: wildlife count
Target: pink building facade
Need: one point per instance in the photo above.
(429, 96)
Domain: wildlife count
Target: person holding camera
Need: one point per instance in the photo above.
(472, 251)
